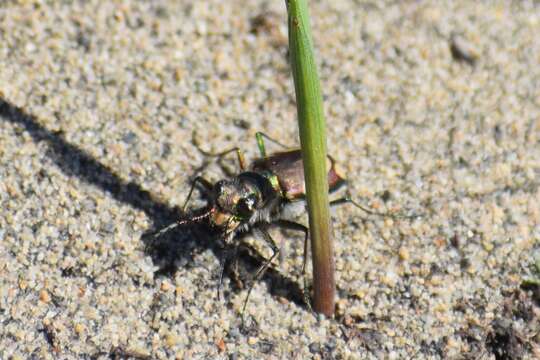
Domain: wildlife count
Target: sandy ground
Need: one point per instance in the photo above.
(432, 108)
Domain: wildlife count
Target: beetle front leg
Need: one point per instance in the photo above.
(207, 189)
(239, 154)
(206, 185)
(260, 272)
(228, 255)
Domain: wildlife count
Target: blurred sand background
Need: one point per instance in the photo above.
(432, 107)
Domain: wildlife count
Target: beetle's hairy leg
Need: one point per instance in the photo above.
(227, 256)
(220, 155)
(291, 225)
(222, 264)
(260, 142)
(396, 215)
(260, 272)
(206, 187)
(239, 157)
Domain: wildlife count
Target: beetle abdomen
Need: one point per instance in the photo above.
(288, 168)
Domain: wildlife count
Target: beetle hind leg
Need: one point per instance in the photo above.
(291, 225)
(348, 200)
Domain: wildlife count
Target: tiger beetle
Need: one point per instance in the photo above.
(269, 192)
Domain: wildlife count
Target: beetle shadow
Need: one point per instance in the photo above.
(175, 248)
(178, 247)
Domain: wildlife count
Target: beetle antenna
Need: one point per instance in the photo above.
(196, 218)
(181, 222)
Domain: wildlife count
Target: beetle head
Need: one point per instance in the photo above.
(237, 199)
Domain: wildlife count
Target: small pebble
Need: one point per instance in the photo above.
(463, 50)
(44, 296)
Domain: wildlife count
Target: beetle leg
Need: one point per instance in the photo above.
(222, 265)
(347, 200)
(229, 254)
(206, 185)
(239, 154)
(291, 225)
(260, 142)
(207, 189)
(260, 272)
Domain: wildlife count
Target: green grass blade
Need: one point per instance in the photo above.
(313, 142)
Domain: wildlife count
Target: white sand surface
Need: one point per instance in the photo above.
(432, 107)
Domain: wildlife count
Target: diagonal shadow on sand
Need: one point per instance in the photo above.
(169, 250)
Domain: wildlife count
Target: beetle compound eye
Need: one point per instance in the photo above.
(245, 206)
